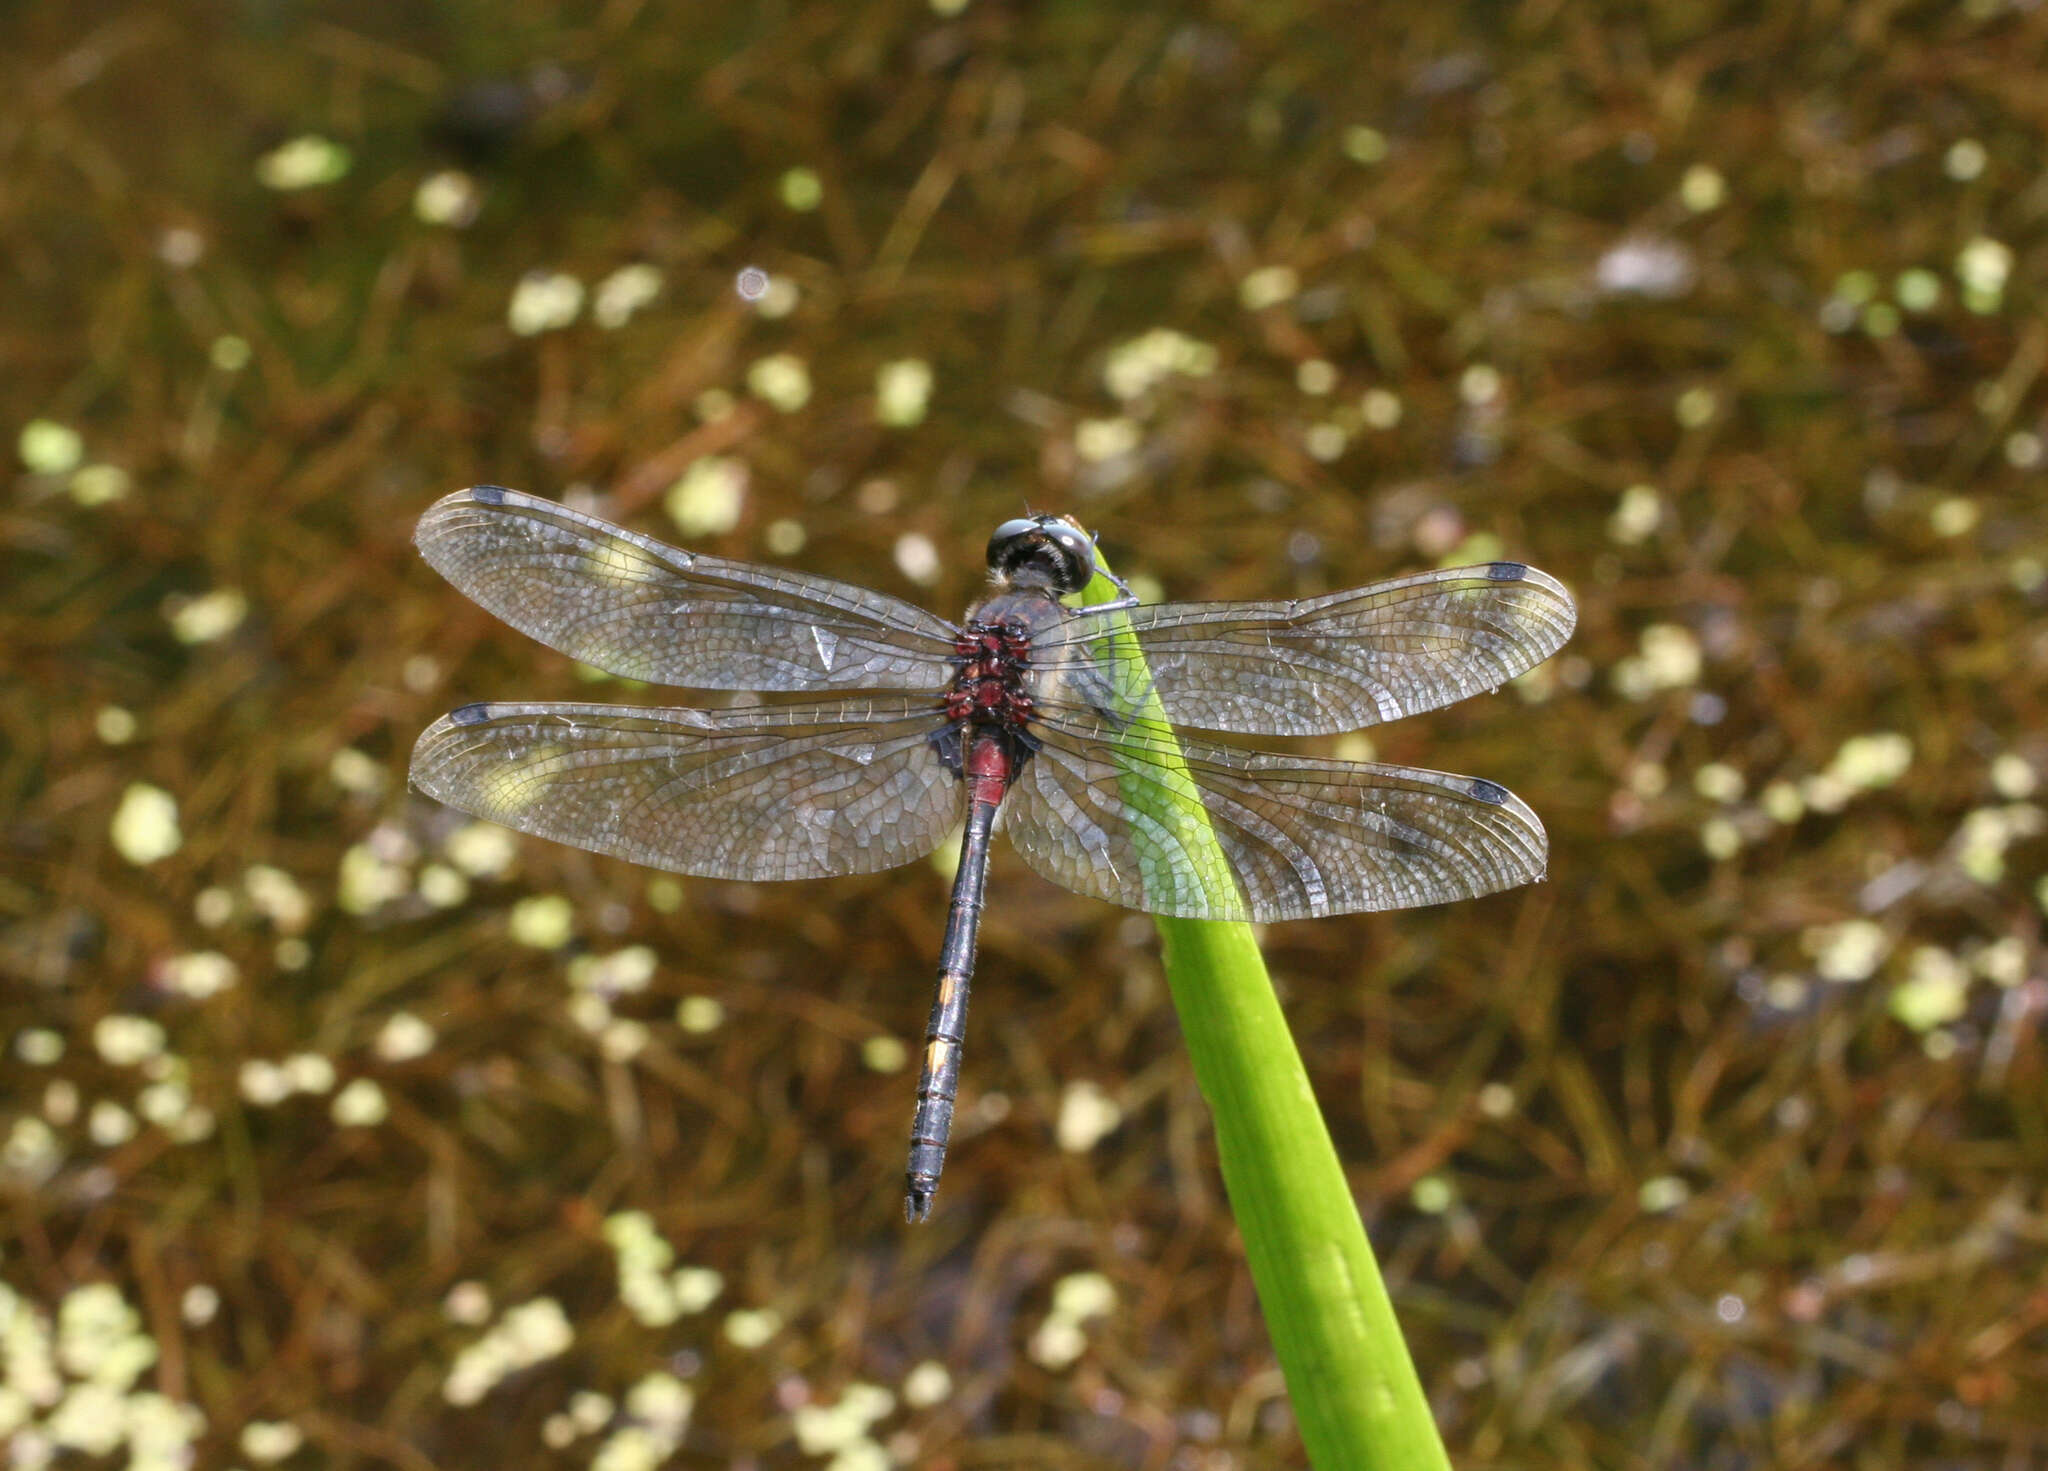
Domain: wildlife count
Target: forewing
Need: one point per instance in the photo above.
(1104, 812)
(633, 606)
(760, 792)
(1346, 660)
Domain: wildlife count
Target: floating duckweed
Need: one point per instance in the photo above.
(277, 896)
(1139, 364)
(622, 1040)
(207, 618)
(39, 1046)
(884, 1054)
(1096, 440)
(1881, 319)
(199, 974)
(1876, 759)
(1381, 408)
(127, 1041)
(1982, 267)
(145, 826)
(1648, 779)
(115, 725)
(1988, 831)
(1087, 1115)
(1662, 1193)
(544, 301)
(707, 498)
(590, 1411)
(1720, 839)
(1433, 1194)
(309, 1072)
(367, 882)
(527, 1335)
(360, 1105)
(229, 353)
(1638, 513)
(778, 298)
(442, 886)
(622, 971)
(269, 1441)
(481, 849)
(916, 557)
(927, 1384)
(1718, 782)
(31, 1152)
(2023, 449)
(2003, 962)
(1364, 145)
(823, 1429)
(305, 162)
(1480, 384)
(590, 1012)
(199, 1305)
(903, 389)
(1325, 442)
(468, 1303)
(87, 1420)
(1668, 657)
(1695, 408)
(1856, 287)
(623, 293)
(403, 1037)
(782, 381)
(1496, 1100)
(801, 189)
(1782, 803)
(543, 921)
(1936, 990)
(696, 1288)
(109, 1124)
(99, 485)
(713, 405)
(1702, 188)
(449, 198)
(49, 448)
(1964, 160)
(1268, 286)
(1075, 1299)
(60, 1102)
(213, 906)
(1646, 265)
(700, 1014)
(751, 1328)
(1848, 951)
(2012, 776)
(1316, 376)
(662, 1402)
(263, 1083)
(166, 1104)
(1918, 289)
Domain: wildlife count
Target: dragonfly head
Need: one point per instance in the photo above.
(1041, 551)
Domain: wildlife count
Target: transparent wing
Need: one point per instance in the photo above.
(635, 607)
(1102, 812)
(761, 792)
(1346, 660)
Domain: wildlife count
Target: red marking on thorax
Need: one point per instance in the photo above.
(989, 688)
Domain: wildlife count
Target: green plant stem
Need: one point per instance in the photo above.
(1354, 1388)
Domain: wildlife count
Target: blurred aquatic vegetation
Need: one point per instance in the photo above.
(335, 1129)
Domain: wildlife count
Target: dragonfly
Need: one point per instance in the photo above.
(1051, 722)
